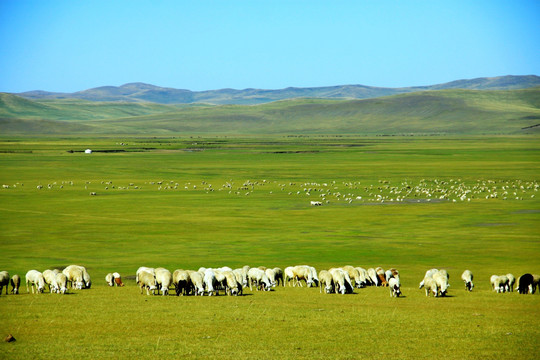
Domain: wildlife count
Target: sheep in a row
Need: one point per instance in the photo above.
(146, 279)
(78, 277)
(301, 272)
(435, 281)
(259, 279)
(4, 281)
(35, 279)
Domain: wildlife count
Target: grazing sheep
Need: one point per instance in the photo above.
(395, 287)
(342, 281)
(144, 268)
(364, 277)
(325, 278)
(60, 283)
(35, 279)
(74, 274)
(163, 280)
(499, 283)
(147, 280)
(441, 277)
(49, 276)
(241, 277)
(109, 279)
(289, 275)
(181, 282)
(210, 282)
(86, 278)
(429, 274)
(467, 278)
(302, 272)
(525, 283)
(354, 274)
(15, 283)
(271, 276)
(430, 285)
(373, 276)
(4, 281)
(279, 276)
(117, 279)
(232, 286)
(511, 282)
(197, 281)
(258, 278)
(382, 276)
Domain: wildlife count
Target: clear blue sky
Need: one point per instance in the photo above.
(210, 44)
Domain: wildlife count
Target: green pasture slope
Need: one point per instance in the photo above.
(412, 203)
(444, 112)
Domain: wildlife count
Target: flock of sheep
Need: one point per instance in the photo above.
(210, 281)
(454, 190)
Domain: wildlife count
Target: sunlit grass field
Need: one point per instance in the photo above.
(187, 202)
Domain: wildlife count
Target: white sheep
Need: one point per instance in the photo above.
(232, 286)
(364, 277)
(373, 276)
(326, 280)
(15, 283)
(109, 279)
(270, 273)
(35, 279)
(430, 286)
(147, 281)
(4, 281)
(210, 282)
(163, 280)
(499, 283)
(181, 282)
(441, 277)
(197, 281)
(342, 281)
(302, 272)
(429, 274)
(49, 276)
(60, 283)
(258, 278)
(395, 287)
(288, 275)
(354, 274)
(241, 278)
(144, 268)
(467, 278)
(74, 274)
(511, 282)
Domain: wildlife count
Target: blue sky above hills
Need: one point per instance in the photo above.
(68, 46)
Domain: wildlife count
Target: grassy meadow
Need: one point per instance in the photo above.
(413, 203)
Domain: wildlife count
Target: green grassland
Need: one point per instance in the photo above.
(454, 112)
(186, 202)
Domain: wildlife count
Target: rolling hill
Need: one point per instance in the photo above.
(140, 92)
(452, 111)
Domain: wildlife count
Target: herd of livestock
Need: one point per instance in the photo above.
(210, 281)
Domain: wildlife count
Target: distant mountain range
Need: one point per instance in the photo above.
(140, 92)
